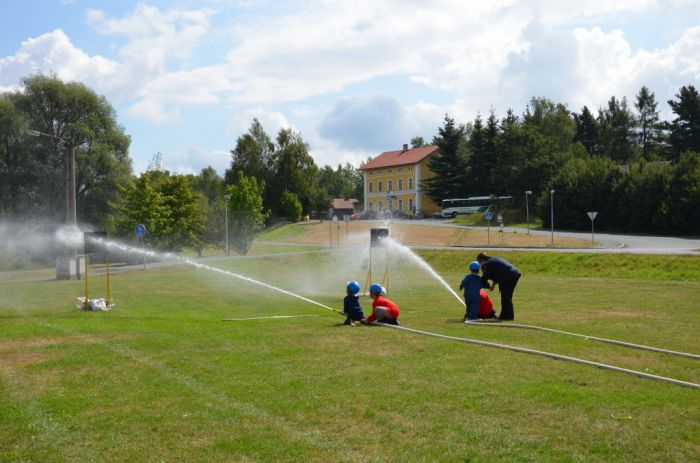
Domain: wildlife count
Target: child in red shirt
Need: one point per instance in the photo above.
(383, 310)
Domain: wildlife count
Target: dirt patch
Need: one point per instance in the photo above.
(12, 361)
(413, 234)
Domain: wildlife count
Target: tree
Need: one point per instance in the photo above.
(417, 142)
(527, 160)
(448, 164)
(582, 185)
(169, 208)
(74, 116)
(683, 201)
(254, 155)
(290, 207)
(552, 119)
(246, 211)
(16, 166)
(648, 122)
(685, 128)
(295, 170)
(587, 130)
(616, 131)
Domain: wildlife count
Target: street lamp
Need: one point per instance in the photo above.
(71, 214)
(227, 197)
(551, 209)
(527, 210)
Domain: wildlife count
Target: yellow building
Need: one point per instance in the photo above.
(393, 181)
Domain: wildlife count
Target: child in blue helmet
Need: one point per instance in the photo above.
(472, 284)
(351, 304)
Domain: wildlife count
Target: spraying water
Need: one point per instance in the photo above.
(395, 245)
(170, 256)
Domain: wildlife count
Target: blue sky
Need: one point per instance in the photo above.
(354, 77)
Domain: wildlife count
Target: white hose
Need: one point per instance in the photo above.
(548, 354)
(585, 336)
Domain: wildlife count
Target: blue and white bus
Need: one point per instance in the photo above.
(456, 206)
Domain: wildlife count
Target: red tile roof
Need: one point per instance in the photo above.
(399, 158)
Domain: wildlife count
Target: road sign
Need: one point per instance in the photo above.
(499, 218)
(489, 215)
(592, 216)
(140, 230)
(335, 218)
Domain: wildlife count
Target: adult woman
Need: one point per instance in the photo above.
(503, 273)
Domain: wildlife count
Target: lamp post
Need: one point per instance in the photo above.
(551, 210)
(527, 210)
(70, 265)
(227, 197)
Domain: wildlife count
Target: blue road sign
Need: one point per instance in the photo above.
(489, 215)
(140, 230)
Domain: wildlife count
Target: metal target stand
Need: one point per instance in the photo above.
(377, 239)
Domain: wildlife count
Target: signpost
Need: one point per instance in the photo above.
(140, 231)
(499, 218)
(489, 216)
(592, 216)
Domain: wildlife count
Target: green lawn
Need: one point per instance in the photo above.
(163, 378)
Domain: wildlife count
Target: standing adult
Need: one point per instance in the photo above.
(503, 273)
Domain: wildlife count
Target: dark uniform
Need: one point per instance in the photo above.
(352, 309)
(506, 275)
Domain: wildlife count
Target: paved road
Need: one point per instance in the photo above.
(606, 242)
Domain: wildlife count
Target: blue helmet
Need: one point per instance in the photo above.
(376, 288)
(353, 287)
(474, 266)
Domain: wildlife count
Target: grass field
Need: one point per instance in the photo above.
(163, 378)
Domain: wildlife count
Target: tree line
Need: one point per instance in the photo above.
(640, 173)
(267, 180)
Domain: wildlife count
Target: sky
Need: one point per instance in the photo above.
(355, 77)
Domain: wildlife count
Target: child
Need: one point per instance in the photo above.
(472, 284)
(485, 305)
(383, 309)
(351, 304)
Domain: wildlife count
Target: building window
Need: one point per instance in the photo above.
(380, 205)
(370, 187)
(401, 204)
(379, 172)
(400, 169)
(410, 183)
(388, 171)
(379, 187)
(391, 184)
(371, 173)
(410, 205)
(371, 205)
(410, 168)
(400, 184)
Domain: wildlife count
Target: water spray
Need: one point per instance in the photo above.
(170, 256)
(111, 244)
(407, 251)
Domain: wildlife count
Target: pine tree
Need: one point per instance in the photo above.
(586, 130)
(685, 129)
(648, 122)
(448, 163)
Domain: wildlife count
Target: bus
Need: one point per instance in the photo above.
(473, 204)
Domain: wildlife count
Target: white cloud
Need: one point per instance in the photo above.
(195, 159)
(154, 111)
(53, 52)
